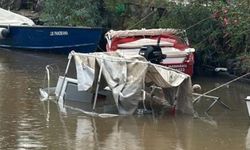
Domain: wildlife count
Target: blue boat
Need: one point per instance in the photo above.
(19, 32)
(50, 39)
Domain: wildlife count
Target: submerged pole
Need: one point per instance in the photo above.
(48, 79)
(247, 99)
(48, 104)
(97, 87)
(65, 73)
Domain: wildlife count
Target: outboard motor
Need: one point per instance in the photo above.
(4, 33)
(152, 53)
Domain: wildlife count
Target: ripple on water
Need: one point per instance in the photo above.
(28, 135)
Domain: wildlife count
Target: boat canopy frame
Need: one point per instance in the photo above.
(120, 73)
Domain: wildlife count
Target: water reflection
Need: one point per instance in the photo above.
(124, 134)
(130, 132)
(133, 132)
(85, 133)
(248, 139)
(208, 119)
(23, 123)
(92, 134)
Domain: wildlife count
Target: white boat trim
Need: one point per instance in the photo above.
(142, 42)
(9, 18)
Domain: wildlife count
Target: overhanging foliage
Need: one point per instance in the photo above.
(219, 30)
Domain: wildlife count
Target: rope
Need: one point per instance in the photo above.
(197, 98)
(197, 23)
(144, 18)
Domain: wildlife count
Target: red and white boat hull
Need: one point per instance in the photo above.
(178, 53)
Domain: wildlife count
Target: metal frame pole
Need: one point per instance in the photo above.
(201, 95)
(65, 73)
(97, 87)
(48, 104)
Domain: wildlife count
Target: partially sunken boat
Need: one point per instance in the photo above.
(178, 53)
(19, 32)
(126, 81)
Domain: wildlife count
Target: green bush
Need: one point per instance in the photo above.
(219, 30)
(72, 12)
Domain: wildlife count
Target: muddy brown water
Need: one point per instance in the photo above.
(23, 116)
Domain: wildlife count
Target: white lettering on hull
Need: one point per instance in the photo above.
(180, 67)
(59, 33)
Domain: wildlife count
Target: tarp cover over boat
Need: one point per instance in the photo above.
(146, 32)
(126, 76)
(10, 18)
(143, 32)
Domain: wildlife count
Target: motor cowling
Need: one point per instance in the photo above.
(4, 33)
(152, 53)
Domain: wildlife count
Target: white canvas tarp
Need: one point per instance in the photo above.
(143, 32)
(127, 75)
(10, 18)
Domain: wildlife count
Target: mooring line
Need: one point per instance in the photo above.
(197, 98)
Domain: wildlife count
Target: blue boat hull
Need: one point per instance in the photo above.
(52, 39)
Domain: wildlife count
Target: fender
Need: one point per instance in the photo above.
(4, 33)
